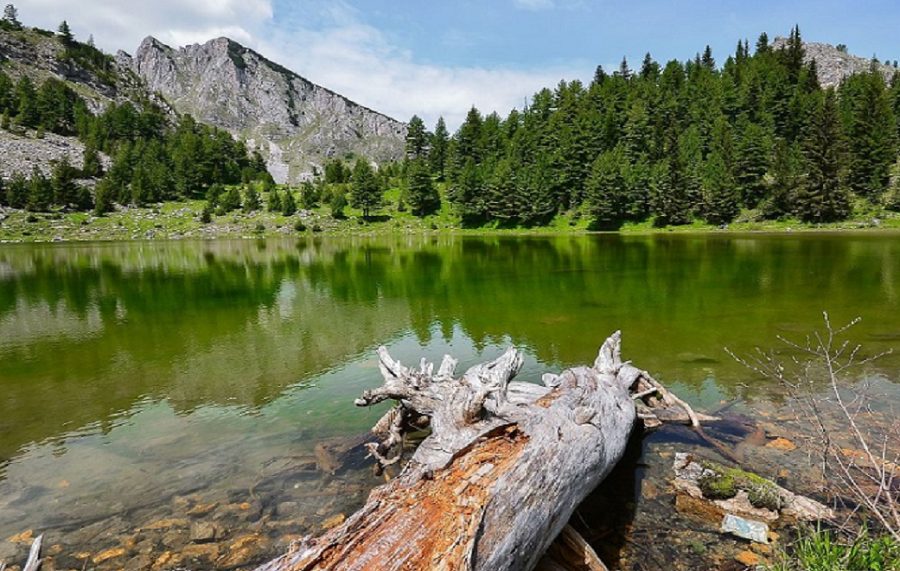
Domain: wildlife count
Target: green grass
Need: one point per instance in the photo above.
(182, 220)
(823, 550)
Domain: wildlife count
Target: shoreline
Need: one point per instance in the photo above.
(181, 221)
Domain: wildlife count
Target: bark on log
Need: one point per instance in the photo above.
(500, 474)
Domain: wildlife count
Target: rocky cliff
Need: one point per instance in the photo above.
(295, 123)
(834, 65)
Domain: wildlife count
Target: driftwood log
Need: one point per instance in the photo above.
(503, 469)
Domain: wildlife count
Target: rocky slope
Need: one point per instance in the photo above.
(97, 78)
(295, 123)
(834, 65)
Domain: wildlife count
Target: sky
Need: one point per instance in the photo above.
(438, 58)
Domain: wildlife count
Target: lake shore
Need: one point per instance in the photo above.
(182, 220)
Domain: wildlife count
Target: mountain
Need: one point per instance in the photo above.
(295, 123)
(834, 64)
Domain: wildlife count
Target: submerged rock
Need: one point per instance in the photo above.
(745, 528)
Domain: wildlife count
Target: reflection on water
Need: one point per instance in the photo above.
(137, 376)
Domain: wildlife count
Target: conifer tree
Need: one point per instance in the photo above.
(273, 200)
(752, 163)
(337, 204)
(17, 191)
(65, 34)
(437, 154)
(872, 137)
(11, 17)
(421, 195)
(40, 192)
(251, 201)
(607, 190)
(65, 191)
(104, 196)
(365, 192)
(823, 197)
(27, 109)
(416, 139)
(785, 174)
(311, 193)
(91, 167)
(720, 193)
(288, 203)
(230, 200)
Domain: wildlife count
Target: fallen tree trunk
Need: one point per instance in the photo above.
(504, 467)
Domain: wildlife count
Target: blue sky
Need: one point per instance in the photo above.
(438, 58)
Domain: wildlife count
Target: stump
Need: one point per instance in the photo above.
(503, 469)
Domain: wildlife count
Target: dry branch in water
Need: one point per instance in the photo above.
(503, 469)
(818, 384)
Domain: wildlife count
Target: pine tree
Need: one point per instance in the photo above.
(65, 191)
(337, 204)
(872, 137)
(421, 195)
(251, 201)
(230, 200)
(65, 34)
(752, 163)
(273, 200)
(822, 197)
(91, 167)
(288, 203)
(365, 192)
(311, 194)
(607, 189)
(104, 196)
(11, 17)
(785, 181)
(437, 155)
(467, 193)
(40, 192)
(416, 139)
(27, 109)
(720, 192)
(17, 191)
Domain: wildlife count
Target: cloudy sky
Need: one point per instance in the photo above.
(437, 57)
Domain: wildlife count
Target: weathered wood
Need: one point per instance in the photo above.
(34, 555)
(497, 479)
(571, 552)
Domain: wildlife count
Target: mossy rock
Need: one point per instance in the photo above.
(721, 483)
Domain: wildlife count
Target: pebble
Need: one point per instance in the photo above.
(748, 558)
(781, 443)
(203, 532)
(108, 554)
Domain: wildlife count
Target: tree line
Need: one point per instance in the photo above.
(672, 144)
(155, 157)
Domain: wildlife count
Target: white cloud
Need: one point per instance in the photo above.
(359, 61)
(325, 41)
(122, 24)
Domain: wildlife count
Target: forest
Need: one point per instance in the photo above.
(675, 143)
(756, 137)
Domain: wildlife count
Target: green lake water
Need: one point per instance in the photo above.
(136, 374)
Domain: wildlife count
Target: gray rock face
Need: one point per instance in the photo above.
(23, 151)
(295, 123)
(834, 65)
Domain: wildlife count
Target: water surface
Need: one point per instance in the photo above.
(134, 376)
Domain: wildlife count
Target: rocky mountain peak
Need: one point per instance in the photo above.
(834, 64)
(296, 124)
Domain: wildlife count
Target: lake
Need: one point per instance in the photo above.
(151, 381)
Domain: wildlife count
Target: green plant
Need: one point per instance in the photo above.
(816, 549)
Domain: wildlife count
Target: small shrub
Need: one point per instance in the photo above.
(31, 219)
(299, 226)
(316, 228)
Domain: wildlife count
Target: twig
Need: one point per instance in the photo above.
(34, 555)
